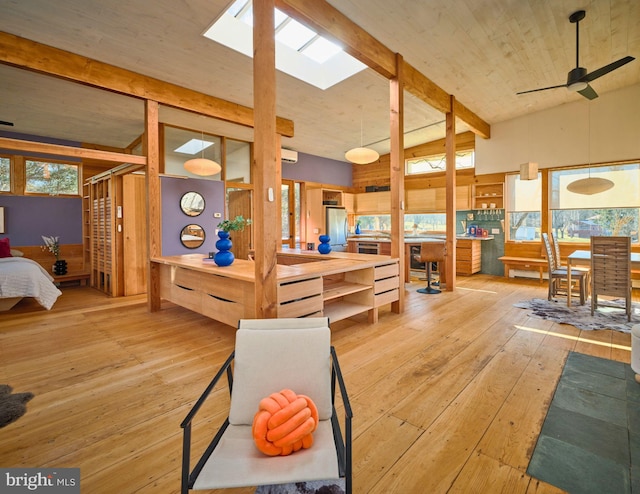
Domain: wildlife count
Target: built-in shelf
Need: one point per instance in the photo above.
(339, 310)
(342, 288)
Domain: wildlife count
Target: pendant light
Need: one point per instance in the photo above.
(202, 166)
(361, 155)
(590, 185)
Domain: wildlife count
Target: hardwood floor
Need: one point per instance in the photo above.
(448, 396)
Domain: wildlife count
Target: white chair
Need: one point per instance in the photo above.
(271, 355)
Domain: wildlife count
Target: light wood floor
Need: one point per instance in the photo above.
(448, 396)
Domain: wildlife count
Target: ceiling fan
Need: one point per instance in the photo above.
(578, 79)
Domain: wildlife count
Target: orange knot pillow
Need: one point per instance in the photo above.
(284, 423)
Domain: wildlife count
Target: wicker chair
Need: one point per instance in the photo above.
(611, 270)
(558, 275)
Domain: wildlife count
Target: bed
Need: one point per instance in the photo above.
(20, 277)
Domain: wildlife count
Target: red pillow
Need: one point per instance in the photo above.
(5, 248)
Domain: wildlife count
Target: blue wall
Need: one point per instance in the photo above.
(311, 168)
(27, 218)
(174, 220)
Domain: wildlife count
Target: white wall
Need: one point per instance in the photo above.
(559, 136)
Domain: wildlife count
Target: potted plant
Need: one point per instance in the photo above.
(224, 256)
(52, 244)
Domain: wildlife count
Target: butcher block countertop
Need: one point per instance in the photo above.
(311, 262)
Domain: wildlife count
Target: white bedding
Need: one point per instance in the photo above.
(20, 277)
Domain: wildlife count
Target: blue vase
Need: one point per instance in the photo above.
(358, 229)
(324, 247)
(224, 256)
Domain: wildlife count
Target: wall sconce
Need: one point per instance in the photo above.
(1, 219)
(529, 171)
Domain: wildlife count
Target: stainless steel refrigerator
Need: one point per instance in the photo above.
(336, 227)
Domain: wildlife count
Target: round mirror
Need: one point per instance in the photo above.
(192, 203)
(192, 236)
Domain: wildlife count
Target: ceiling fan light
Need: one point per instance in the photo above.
(590, 186)
(361, 156)
(578, 86)
(202, 167)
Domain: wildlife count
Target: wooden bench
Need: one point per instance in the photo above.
(524, 263)
(83, 277)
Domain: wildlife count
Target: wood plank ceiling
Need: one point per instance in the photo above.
(482, 51)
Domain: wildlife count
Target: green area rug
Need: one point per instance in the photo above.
(590, 439)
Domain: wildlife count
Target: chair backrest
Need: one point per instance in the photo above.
(434, 251)
(276, 354)
(550, 256)
(611, 266)
(556, 249)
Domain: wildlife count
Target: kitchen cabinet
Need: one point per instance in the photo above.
(337, 285)
(434, 199)
(468, 256)
(317, 200)
(348, 201)
(488, 194)
(373, 202)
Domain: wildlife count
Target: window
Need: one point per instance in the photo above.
(524, 208)
(300, 52)
(430, 164)
(46, 177)
(5, 174)
(576, 217)
(418, 224)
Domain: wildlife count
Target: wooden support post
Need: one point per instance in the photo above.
(396, 121)
(266, 166)
(151, 149)
(450, 146)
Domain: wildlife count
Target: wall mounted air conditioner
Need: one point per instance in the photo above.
(289, 156)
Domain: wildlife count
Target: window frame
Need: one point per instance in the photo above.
(77, 165)
(584, 240)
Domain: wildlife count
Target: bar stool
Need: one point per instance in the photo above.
(435, 251)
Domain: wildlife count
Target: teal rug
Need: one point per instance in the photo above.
(590, 439)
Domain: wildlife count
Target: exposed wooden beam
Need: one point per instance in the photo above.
(70, 151)
(151, 149)
(267, 171)
(327, 20)
(330, 22)
(425, 89)
(450, 198)
(475, 123)
(31, 55)
(396, 171)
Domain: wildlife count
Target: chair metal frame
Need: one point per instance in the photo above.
(343, 444)
(611, 270)
(558, 275)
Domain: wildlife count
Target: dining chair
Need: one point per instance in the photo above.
(430, 252)
(558, 275)
(611, 270)
(271, 355)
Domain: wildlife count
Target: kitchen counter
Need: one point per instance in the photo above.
(338, 285)
(411, 239)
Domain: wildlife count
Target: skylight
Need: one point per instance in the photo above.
(194, 146)
(300, 51)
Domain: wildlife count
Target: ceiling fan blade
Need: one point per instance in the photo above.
(589, 93)
(592, 76)
(541, 89)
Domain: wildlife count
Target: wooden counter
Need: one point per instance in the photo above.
(338, 285)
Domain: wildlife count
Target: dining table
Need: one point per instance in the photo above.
(583, 258)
